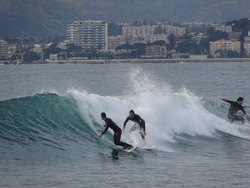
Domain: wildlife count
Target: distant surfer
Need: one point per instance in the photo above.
(137, 119)
(117, 132)
(234, 108)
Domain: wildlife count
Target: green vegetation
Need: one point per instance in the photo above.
(171, 40)
(131, 51)
(242, 25)
(25, 54)
(217, 35)
(73, 48)
(53, 49)
(227, 54)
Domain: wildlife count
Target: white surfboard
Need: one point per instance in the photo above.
(129, 150)
(148, 147)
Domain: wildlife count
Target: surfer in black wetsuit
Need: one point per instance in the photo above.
(117, 132)
(234, 108)
(137, 119)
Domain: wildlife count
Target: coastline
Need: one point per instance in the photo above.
(117, 61)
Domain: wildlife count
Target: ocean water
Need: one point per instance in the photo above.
(50, 119)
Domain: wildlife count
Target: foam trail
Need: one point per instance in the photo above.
(166, 113)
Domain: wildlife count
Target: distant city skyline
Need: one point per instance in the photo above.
(147, 40)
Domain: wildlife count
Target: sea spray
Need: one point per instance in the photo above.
(168, 114)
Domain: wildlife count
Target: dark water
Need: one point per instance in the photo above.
(50, 119)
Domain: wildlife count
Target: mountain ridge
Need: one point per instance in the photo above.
(49, 17)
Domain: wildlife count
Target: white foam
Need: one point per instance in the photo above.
(166, 113)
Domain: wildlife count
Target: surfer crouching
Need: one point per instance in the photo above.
(117, 132)
(137, 119)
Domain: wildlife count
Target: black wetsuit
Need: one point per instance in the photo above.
(137, 119)
(234, 108)
(117, 133)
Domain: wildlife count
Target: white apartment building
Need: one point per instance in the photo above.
(88, 34)
(247, 44)
(223, 28)
(146, 31)
(176, 31)
(247, 48)
(154, 38)
(3, 49)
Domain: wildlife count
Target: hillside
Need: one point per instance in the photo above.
(38, 18)
(176, 10)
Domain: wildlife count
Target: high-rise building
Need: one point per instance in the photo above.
(3, 49)
(88, 34)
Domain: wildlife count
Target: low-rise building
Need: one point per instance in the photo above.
(154, 38)
(155, 51)
(198, 37)
(53, 57)
(224, 45)
(114, 41)
(180, 55)
(198, 56)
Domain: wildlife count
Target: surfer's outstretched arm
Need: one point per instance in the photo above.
(219, 98)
